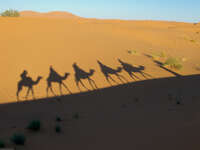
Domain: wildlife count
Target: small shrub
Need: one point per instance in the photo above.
(193, 41)
(2, 144)
(58, 119)
(133, 52)
(18, 139)
(76, 116)
(58, 129)
(197, 67)
(10, 13)
(34, 125)
(173, 63)
(158, 55)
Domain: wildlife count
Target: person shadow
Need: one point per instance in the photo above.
(131, 70)
(108, 71)
(27, 81)
(54, 77)
(80, 75)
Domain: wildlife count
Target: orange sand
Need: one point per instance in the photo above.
(36, 43)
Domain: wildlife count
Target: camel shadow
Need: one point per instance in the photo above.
(28, 82)
(108, 71)
(80, 75)
(56, 78)
(161, 65)
(131, 70)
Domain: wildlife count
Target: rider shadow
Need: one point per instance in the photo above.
(54, 77)
(131, 70)
(28, 82)
(80, 75)
(108, 71)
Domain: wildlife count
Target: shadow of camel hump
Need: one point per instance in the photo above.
(130, 69)
(107, 72)
(81, 74)
(55, 77)
(27, 82)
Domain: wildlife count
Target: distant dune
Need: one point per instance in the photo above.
(53, 14)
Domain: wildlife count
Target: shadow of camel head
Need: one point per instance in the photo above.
(92, 71)
(66, 74)
(40, 77)
(141, 67)
(99, 62)
(120, 61)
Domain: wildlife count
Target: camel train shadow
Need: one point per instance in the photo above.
(79, 76)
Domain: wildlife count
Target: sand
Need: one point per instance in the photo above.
(110, 119)
(36, 43)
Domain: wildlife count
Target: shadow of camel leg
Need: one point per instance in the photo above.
(132, 76)
(51, 89)
(113, 80)
(27, 93)
(143, 75)
(135, 76)
(89, 80)
(94, 83)
(33, 94)
(17, 94)
(77, 84)
(60, 88)
(147, 74)
(67, 88)
(84, 85)
(108, 81)
(119, 78)
(123, 78)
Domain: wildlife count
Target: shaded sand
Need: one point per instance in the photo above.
(36, 43)
(138, 115)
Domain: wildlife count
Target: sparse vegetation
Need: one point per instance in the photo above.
(10, 13)
(18, 139)
(58, 129)
(173, 63)
(76, 116)
(34, 125)
(133, 52)
(2, 144)
(193, 41)
(58, 119)
(198, 67)
(158, 55)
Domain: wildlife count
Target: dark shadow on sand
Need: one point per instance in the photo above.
(28, 82)
(80, 75)
(108, 71)
(132, 70)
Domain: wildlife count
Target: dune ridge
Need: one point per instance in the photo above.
(52, 14)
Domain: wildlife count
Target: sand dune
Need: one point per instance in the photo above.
(36, 43)
(53, 14)
(128, 114)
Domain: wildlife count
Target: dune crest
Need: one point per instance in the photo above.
(53, 14)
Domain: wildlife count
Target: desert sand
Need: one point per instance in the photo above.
(111, 117)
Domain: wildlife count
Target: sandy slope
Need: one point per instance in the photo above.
(110, 118)
(36, 43)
